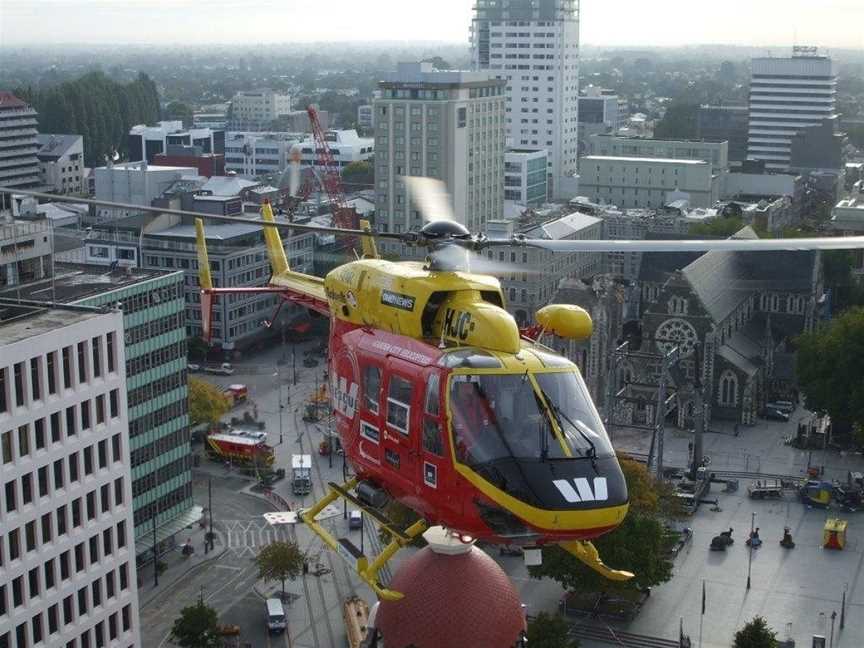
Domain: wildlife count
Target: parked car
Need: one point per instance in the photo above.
(787, 407)
(773, 414)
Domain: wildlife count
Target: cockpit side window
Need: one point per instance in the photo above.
(432, 441)
(399, 403)
(371, 388)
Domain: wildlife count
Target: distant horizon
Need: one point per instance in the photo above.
(832, 24)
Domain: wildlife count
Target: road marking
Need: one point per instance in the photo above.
(229, 567)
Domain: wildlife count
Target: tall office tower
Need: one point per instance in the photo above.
(786, 95)
(67, 575)
(19, 166)
(534, 46)
(447, 125)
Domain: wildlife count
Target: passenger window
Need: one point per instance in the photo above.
(432, 437)
(398, 407)
(432, 394)
(371, 388)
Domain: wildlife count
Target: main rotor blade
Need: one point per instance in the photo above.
(729, 245)
(213, 217)
(431, 198)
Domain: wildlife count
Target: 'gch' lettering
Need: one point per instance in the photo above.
(583, 491)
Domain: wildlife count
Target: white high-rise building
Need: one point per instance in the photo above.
(786, 95)
(19, 166)
(447, 125)
(67, 575)
(534, 46)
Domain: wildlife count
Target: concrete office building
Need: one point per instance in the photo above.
(145, 142)
(534, 47)
(529, 291)
(135, 183)
(346, 146)
(366, 117)
(256, 109)
(725, 123)
(61, 163)
(254, 154)
(25, 252)
(447, 125)
(598, 108)
(786, 95)
(238, 257)
(648, 182)
(19, 166)
(68, 568)
(716, 153)
(154, 332)
(525, 177)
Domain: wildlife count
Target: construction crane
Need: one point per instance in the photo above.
(344, 217)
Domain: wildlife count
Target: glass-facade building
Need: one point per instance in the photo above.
(159, 437)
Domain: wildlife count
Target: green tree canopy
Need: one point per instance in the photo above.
(720, 227)
(756, 634)
(196, 627)
(98, 108)
(207, 404)
(280, 561)
(829, 369)
(179, 110)
(639, 544)
(550, 631)
(360, 172)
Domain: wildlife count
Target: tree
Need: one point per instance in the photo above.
(207, 404)
(756, 634)
(179, 110)
(360, 172)
(719, 227)
(640, 544)
(679, 122)
(550, 631)
(196, 627)
(197, 347)
(829, 369)
(280, 561)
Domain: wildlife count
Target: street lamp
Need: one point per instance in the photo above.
(750, 558)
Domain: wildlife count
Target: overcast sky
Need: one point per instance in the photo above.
(827, 23)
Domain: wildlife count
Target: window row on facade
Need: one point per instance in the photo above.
(71, 613)
(42, 433)
(42, 376)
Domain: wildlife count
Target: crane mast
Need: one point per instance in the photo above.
(344, 217)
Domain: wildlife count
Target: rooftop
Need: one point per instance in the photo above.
(19, 323)
(9, 101)
(645, 160)
(214, 232)
(74, 282)
(427, 74)
(227, 185)
(562, 228)
(53, 147)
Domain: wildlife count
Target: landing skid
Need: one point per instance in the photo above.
(348, 551)
(588, 554)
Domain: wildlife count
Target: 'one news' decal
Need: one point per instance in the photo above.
(583, 491)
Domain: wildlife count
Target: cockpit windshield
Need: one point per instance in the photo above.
(498, 416)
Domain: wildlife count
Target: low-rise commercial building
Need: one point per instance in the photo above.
(135, 183)
(714, 152)
(25, 251)
(346, 146)
(68, 569)
(254, 154)
(61, 163)
(145, 142)
(648, 182)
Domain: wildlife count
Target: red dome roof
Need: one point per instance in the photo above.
(463, 601)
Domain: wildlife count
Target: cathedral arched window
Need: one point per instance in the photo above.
(728, 386)
(677, 305)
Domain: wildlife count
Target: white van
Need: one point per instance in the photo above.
(276, 621)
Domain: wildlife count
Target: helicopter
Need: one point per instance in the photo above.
(441, 401)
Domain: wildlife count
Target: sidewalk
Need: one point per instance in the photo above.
(177, 566)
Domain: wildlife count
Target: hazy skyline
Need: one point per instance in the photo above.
(829, 23)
